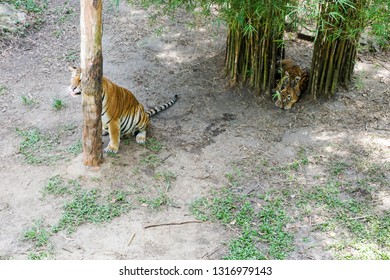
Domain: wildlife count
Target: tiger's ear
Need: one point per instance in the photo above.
(74, 69)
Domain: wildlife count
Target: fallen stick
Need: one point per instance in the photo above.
(131, 240)
(174, 224)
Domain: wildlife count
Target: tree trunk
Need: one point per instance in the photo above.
(92, 69)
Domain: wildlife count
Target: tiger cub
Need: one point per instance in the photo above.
(293, 82)
(122, 114)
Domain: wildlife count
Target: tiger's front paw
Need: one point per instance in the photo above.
(110, 149)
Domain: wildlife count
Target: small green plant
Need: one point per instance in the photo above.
(150, 161)
(159, 31)
(28, 101)
(39, 236)
(338, 168)
(58, 104)
(2, 90)
(56, 185)
(71, 56)
(32, 6)
(167, 177)
(76, 148)
(65, 12)
(153, 144)
(156, 203)
(233, 177)
(199, 208)
(359, 83)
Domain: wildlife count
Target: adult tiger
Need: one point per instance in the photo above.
(122, 114)
(293, 82)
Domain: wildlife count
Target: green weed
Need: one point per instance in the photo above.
(167, 177)
(264, 227)
(76, 148)
(156, 203)
(89, 206)
(56, 185)
(39, 236)
(32, 6)
(153, 144)
(58, 104)
(150, 161)
(199, 208)
(71, 56)
(28, 101)
(244, 247)
(37, 147)
(2, 90)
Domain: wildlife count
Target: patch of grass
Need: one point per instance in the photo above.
(28, 101)
(167, 177)
(71, 56)
(58, 104)
(273, 219)
(355, 222)
(301, 160)
(56, 185)
(234, 177)
(359, 83)
(199, 208)
(244, 247)
(31, 6)
(153, 144)
(37, 147)
(34, 8)
(76, 148)
(260, 228)
(157, 202)
(89, 206)
(65, 12)
(39, 236)
(2, 90)
(338, 168)
(150, 161)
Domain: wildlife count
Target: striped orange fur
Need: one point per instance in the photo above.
(122, 114)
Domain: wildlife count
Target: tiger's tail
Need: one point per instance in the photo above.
(158, 109)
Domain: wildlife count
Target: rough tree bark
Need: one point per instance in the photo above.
(92, 69)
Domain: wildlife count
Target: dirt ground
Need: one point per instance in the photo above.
(208, 131)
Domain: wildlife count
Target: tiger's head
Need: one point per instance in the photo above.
(287, 92)
(75, 81)
(287, 97)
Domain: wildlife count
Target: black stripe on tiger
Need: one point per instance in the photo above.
(158, 109)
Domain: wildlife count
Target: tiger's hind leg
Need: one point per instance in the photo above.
(140, 138)
(105, 129)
